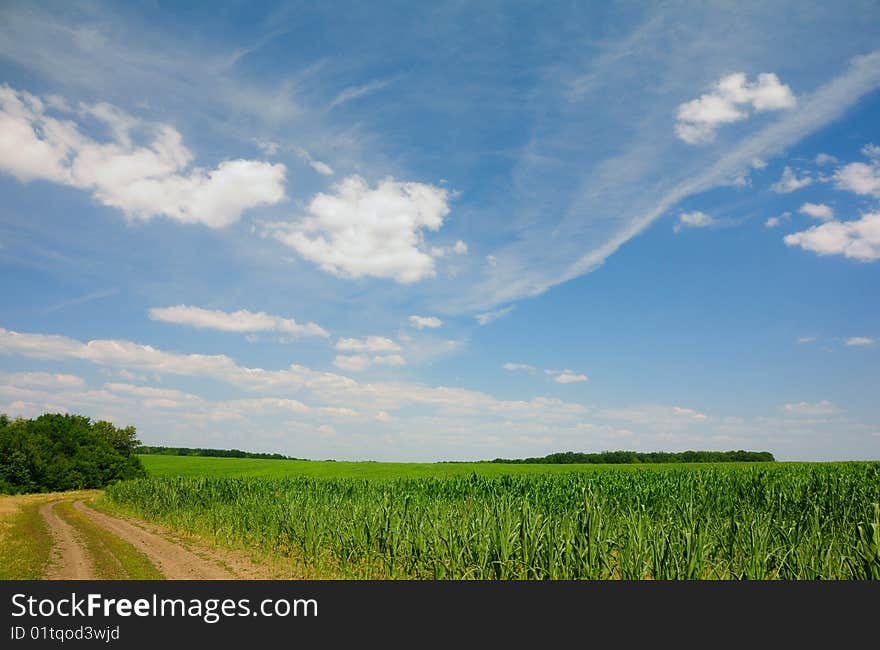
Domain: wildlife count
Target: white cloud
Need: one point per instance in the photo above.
(527, 269)
(326, 387)
(817, 211)
(823, 407)
(859, 341)
(569, 377)
(268, 147)
(42, 380)
(695, 219)
(658, 416)
(491, 260)
(806, 339)
(143, 181)
(421, 322)
(858, 239)
(355, 92)
(871, 150)
(518, 366)
(790, 182)
(859, 178)
(321, 167)
(237, 321)
(368, 344)
(489, 316)
(151, 392)
(688, 413)
(459, 248)
(360, 362)
(727, 103)
(362, 232)
(772, 222)
(824, 159)
(758, 163)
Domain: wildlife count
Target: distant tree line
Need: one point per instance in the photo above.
(56, 452)
(217, 453)
(630, 457)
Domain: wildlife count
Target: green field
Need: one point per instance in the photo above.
(486, 521)
(257, 467)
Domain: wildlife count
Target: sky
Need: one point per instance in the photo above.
(445, 231)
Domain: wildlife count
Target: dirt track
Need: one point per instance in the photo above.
(174, 561)
(71, 560)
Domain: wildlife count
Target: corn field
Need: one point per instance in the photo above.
(785, 522)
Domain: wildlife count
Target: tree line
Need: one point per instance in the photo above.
(55, 452)
(630, 457)
(217, 453)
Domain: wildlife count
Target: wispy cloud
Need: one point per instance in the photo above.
(619, 214)
(490, 316)
(356, 92)
(81, 300)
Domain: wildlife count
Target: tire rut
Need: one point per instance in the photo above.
(174, 561)
(70, 560)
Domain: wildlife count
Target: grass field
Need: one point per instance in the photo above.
(158, 465)
(769, 521)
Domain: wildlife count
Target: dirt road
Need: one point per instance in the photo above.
(72, 537)
(173, 560)
(70, 560)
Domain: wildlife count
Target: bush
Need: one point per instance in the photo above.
(56, 452)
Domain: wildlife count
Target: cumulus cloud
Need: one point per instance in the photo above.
(817, 211)
(859, 341)
(490, 316)
(823, 407)
(368, 344)
(729, 102)
(871, 150)
(370, 351)
(327, 387)
(422, 322)
(790, 182)
(142, 180)
(360, 362)
(358, 231)
(824, 159)
(695, 219)
(858, 239)
(569, 377)
(459, 248)
(859, 178)
(772, 222)
(236, 321)
(806, 339)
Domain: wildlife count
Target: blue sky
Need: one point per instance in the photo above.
(445, 231)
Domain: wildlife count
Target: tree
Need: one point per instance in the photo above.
(64, 452)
